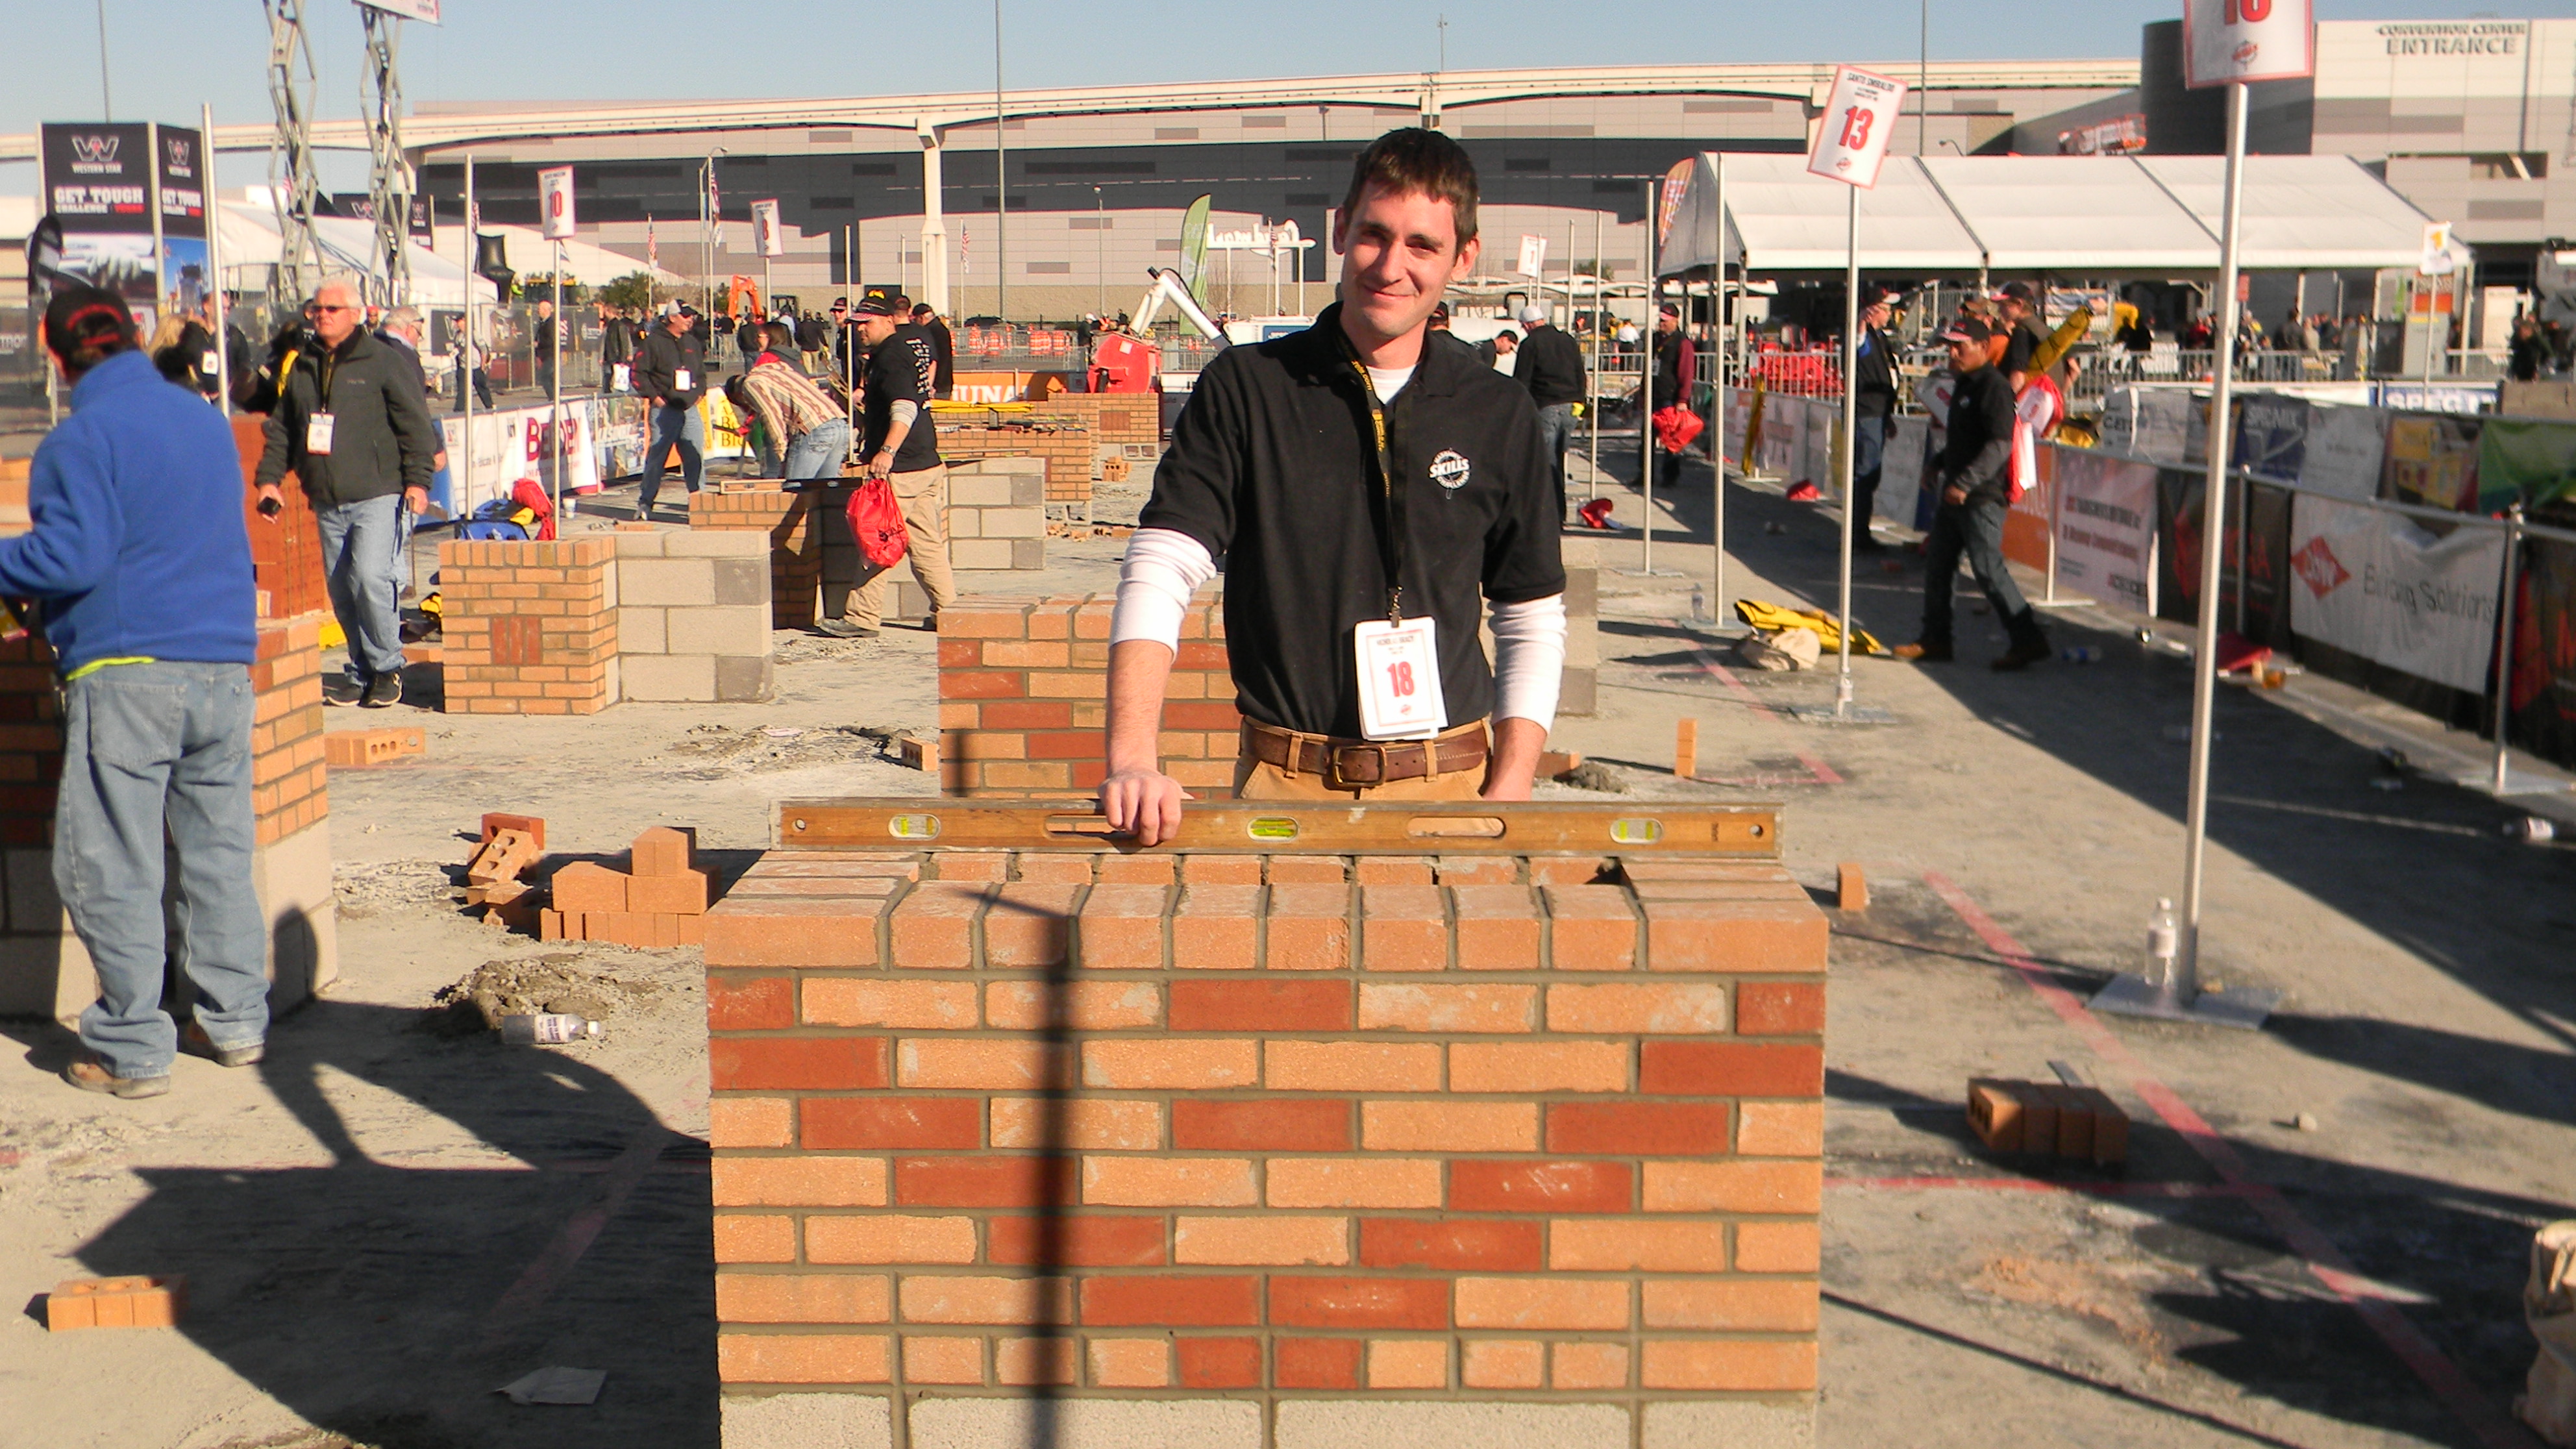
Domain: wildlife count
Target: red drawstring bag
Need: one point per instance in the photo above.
(877, 523)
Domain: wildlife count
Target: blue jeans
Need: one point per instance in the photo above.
(819, 452)
(1556, 434)
(1869, 456)
(357, 540)
(154, 754)
(680, 428)
(1975, 528)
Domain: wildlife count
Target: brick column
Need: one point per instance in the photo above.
(530, 628)
(1247, 1152)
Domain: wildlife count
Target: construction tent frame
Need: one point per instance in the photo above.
(2143, 216)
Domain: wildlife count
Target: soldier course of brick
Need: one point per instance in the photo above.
(1233, 1151)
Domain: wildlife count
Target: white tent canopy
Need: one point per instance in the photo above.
(438, 272)
(2074, 214)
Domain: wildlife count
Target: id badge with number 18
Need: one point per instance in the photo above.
(1399, 667)
(317, 435)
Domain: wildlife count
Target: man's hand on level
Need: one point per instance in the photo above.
(1143, 803)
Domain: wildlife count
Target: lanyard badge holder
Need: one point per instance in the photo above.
(317, 428)
(1398, 659)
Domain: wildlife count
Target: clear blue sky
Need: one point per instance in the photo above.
(167, 56)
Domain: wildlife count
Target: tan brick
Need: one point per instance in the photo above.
(1656, 1008)
(802, 1181)
(1449, 1126)
(1735, 1187)
(1130, 1363)
(1408, 1363)
(1088, 1123)
(803, 1358)
(1265, 1240)
(1402, 927)
(1781, 1129)
(1351, 1066)
(1448, 1009)
(1777, 1248)
(1732, 1305)
(978, 1064)
(1309, 928)
(751, 1122)
(1590, 928)
(1591, 1365)
(1541, 1303)
(1777, 1366)
(1735, 936)
(1082, 1005)
(943, 1360)
(1556, 1066)
(1497, 926)
(1170, 1064)
(1216, 928)
(941, 1298)
(1168, 1182)
(1608, 1245)
(1121, 927)
(889, 1238)
(755, 1238)
(1343, 1182)
(1503, 1363)
(803, 1298)
(917, 1005)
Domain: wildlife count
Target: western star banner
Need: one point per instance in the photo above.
(98, 185)
(181, 183)
(2383, 587)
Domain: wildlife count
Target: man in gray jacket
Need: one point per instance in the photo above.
(351, 423)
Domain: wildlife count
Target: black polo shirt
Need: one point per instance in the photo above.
(1272, 469)
(898, 370)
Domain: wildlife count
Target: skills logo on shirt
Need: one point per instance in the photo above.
(1450, 470)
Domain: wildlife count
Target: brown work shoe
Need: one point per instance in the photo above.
(194, 1041)
(90, 1074)
(1919, 653)
(2019, 657)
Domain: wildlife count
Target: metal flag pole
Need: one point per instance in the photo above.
(215, 260)
(1717, 403)
(1646, 381)
(2504, 644)
(464, 350)
(1592, 383)
(2180, 996)
(1851, 430)
(554, 374)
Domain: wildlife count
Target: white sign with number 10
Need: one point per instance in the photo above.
(1851, 140)
(2246, 40)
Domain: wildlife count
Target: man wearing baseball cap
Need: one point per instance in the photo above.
(1873, 409)
(672, 371)
(1975, 496)
(1551, 367)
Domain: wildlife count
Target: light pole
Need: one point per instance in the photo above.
(709, 218)
(1001, 186)
(1923, 82)
(1099, 254)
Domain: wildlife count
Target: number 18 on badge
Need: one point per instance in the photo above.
(1399, 668)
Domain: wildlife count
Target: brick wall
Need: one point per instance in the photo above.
(529, 628)
(1023, 689)
(693, 616)
(967, 433)
(285, 551)
(44, 971)
(1238, 1152)
(796, 542)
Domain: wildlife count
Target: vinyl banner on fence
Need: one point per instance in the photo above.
(2544, 656)
(1739, 412)
(2532, 461)
(1900, 469)
(2272, 436)
(2381, 586)
(2106, 526)
(2432, 461)
(2026, 523)
(2343, 450)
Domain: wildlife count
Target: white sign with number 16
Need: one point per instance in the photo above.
(1859, 117)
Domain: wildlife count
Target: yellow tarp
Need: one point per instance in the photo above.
(1772, 617)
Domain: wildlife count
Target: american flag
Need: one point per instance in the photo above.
(965, 253)
(652, 248)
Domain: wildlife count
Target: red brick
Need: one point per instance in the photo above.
(1307, 870)
(1012, 714)
(533, 825)
(1391, 870)
(1402, 928)
(584, 886)
(1590, 928)
(988, 1181)
(1219, 1363)
(1318, 1363)
(660, 851)
(680, 893)
(982, 684)
(1735, 936)
(892, 1123)
(1161, 1300)
(750, 1003)
(1220, 870)
(1261, 1005)
(1484, 1244)
(815, 1064)
(1779, 1008)
(787, 931)
(1301, 1302)
(1730, 1069)
(1541, 1187)
(1081, 1241)
(1656, 1129)
(1271, 1124)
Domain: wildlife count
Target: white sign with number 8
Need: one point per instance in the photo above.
(1859, 117)
(2246, 40)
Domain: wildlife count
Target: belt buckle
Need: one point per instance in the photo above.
(1340, 781)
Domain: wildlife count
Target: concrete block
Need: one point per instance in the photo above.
(742, 581)
(979, 553)
(292, 877)
(671, 582)
(1735, 1423)
(612, 682)
(667, 677)
(807, 1421)
(33, 905)
(1089, 1424)
(1028, 553)
(641, 545)
(1578, 692)
(46, 976)
(743, 679)
(639, 630)
(1338, 1423)
(716, 543)
(1028, 487)
(736, 629)
(965, 522)
(980, 489)
(1014, 523)
(608, 585)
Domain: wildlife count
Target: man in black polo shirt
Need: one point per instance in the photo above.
(1975, 495)
(900, 445)
(1361, 483)
(1551, 367)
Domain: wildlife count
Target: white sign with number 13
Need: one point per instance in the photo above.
(1851, 141)
(2246, 40)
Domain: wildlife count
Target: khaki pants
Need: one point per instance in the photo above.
(1257, 780)
(923, 497)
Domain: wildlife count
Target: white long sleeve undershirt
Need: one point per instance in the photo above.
(1164, 567)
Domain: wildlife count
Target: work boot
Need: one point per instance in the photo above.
(844, 629)
(1922, 653)
(383, 692)
(90, 1074)
(194, 1041)
(2021, 656)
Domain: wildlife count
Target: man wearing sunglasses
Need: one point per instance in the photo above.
(352, 424)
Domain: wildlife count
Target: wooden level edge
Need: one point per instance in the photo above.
(1748, 832)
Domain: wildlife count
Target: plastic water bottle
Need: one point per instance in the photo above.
(547, 1028)
(2164, 943)
(2080, 654)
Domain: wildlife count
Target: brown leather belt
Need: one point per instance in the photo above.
(1358, 764)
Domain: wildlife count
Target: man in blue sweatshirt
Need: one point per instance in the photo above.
(142, 565)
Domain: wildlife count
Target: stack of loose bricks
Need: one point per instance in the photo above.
(1351, 1138)
(1023, 691)
(660, 901)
